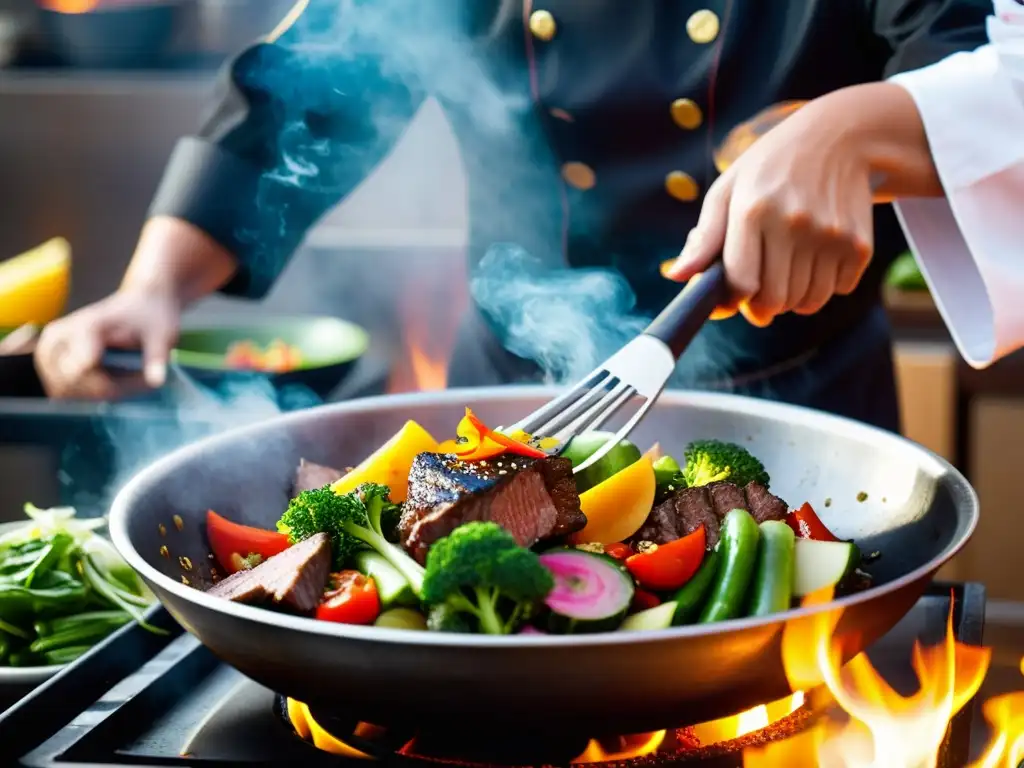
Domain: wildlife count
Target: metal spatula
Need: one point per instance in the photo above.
(641, 369)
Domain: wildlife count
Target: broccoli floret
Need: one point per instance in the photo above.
(711, 461)
(480, 572)
(353, 521)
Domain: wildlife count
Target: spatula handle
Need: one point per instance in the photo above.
(122, 361)
(680, 321)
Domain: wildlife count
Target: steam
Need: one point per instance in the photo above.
(566, 321)
(96, 466)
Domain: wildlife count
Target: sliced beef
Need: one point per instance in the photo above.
(533, 499)
(726, 497)
(293, 579)
(763, 505)
(310, 476)
(684, 512)
(688, 508)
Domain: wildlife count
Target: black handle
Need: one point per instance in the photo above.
(122, 361)
(680, 321)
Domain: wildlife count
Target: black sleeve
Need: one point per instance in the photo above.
(298, 123)
(922, 32)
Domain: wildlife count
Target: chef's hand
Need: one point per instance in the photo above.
(174, 264)
(792, 216)
(70, 350)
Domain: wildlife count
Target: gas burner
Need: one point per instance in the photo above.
(698, 744)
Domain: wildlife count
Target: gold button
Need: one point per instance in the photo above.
(579, 175)
(687, 114)
(542, 25)
(702, 26)
(682, 186)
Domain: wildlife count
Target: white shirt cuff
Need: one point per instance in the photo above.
(970, 245)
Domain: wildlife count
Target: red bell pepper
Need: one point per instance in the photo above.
(619, 551)
(669, 566)
(478, 442)
(806, 524)
(234, 544)
(351, 598)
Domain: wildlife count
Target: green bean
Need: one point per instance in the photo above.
(115, 595)
(23, 658)
(114, 618)
(19, 601)
(87, 633)
(11, 629)
(66, 655)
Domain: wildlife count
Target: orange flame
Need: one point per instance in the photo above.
(70, 6)
(885, 729)
(631, 747)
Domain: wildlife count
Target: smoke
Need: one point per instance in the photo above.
(97, 462)
(566, 321)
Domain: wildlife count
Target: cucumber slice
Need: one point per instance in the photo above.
(392, 588)
(402, 618)
(658, 617)
(592, 592)
(821, 564)
(773, 580)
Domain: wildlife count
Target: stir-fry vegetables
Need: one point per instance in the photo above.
(480, 572)
(354, 521)
(477, 442)
(636, 542)
(63, 588)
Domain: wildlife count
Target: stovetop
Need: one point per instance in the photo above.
(141, 699)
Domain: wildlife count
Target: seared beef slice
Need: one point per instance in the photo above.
(310, 476)
(533, 499)
(684, 512)
(764, 505)
(688, 508)
(295, 578)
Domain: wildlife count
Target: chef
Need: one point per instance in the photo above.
(604, 118)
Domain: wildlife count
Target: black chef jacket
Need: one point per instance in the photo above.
(587, 127)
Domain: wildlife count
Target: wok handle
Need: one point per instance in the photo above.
(680, 321)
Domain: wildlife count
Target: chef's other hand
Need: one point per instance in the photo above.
(792, 218)
(70, 350)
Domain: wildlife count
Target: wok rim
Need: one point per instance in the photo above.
(714, 401)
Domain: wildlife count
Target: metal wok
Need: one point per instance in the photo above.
(918, 512)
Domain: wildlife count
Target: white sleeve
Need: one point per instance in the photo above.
(970, 244)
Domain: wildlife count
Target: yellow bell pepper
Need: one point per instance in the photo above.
(617, 507)
(390, 464)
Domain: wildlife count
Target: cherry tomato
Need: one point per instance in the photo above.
(642, 600)
(807, 525)
(669, 566)
(351, 598)
(234, 544)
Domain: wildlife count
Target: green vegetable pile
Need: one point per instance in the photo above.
(63, 588)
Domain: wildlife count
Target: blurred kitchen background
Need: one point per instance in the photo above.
(94, 94)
